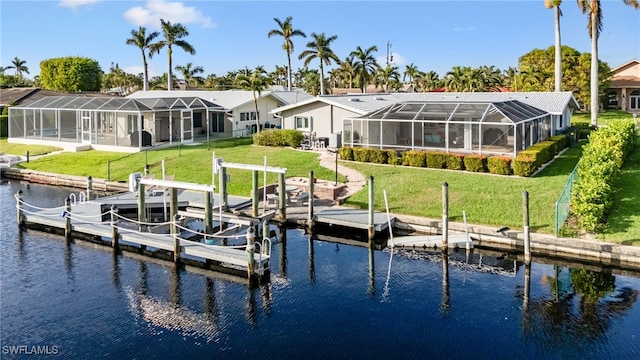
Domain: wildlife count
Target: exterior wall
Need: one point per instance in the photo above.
(325, 119)
(621, 94)
(632, 69)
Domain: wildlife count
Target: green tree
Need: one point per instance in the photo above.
(410, 71)
(319, 48)
(427, 81)
(257, 82)
(347, 72)
(593, 9)
(70, 74)
(555, 4)
(140, 39)
(190, 73)
(20, 66)
(173, 34)
(286, 30)
(365, 65)
(388, 75)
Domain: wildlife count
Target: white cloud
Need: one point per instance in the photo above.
(463, 29)
(175, 12)
(74, 4)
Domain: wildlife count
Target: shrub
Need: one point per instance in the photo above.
(455, 161)
(346, 153)
(362, 154)
(278, 137)
(523, 166)
(4, 125)
(378, 156)
(500, 165)
(475, 163)
(414, 158)
(436, 160)
(393, 158)
(560, 141)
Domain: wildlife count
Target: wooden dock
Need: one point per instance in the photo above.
(353, 218)
(94, 219)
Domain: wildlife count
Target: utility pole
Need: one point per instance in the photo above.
(389, 53)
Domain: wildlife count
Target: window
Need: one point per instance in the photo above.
(132, 123)
(302, 123)
(246, 116)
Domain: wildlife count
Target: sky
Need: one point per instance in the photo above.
(232, 35)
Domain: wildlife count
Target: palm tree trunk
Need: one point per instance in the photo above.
(321, 78)
(558, 52)
(255, 104)
(594, 70)
(145, 81)
(169, 80)
(288, 71)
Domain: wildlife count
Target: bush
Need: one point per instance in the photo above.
(378, 156)
(475, 163)
(4, 126)
(500, 165)
(393, 158)
(455, 161)
(523, 166)
(362, 154)
(414, 158)
(346, 153)
(436, 160)
(278, 137)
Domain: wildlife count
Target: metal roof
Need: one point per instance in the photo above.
(512, 111)
(552, 102)
(118, 103)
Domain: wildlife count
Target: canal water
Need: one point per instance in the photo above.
(324, 301)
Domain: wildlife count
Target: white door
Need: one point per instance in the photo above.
(85, 130)
(186, 126)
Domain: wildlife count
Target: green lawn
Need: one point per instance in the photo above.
(486, 199)
(20, 149)
(604, 117)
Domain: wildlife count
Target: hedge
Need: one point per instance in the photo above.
(4, 126)
(393, 158)
(361, 154)
(500, 165)
(414, 158)
(455, 161)
(378, 156)
(346, 153)
(436, 160)
(475, 163)
(278, 137)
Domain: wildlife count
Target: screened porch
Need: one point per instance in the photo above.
(491, 128)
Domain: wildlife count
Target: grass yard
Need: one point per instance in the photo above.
(487, 199)
(21, 149)
(604, 117)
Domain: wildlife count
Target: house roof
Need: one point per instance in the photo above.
(116, 103)
(627, 64)
(625, 82)
(551, 102)
(228, 99)
(23, 95)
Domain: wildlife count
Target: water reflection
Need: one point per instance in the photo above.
(282, 240)
(445, 306)
(312, 269)
(371, 288)
(22, 254)
(68, 260)
(175, 293)
(115, 270)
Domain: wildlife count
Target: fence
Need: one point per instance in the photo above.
(563, 205)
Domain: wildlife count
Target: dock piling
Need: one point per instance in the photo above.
(176, 239)
(20, 219)
(254, 193)
(371, 229)
(114, 228)
(525, 219)
(251, 236)
(67, 215)
(310, 221)
(282, 199)
(142, 209)
(89, 188)
(445, 215)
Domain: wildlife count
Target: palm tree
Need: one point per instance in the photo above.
(257, 82)
(593, 10)
(347, 71)
(287, 31)
(386, 74)
(173, 34)
(410, 71)
(558, 60)
(143, 41)
(365, 64)
(20, 66)
(189, 73)
(319, 48)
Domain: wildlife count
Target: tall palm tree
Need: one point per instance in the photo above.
(427, 81)
(287, 31)
(190, 72)
(410, 71)
(319, 48)
(20, 66)
(366, 64)
(386, 74)
(143, 41)
(173, 34)
(594, 11)
(555, 4)
(257, 82)
(347, 71)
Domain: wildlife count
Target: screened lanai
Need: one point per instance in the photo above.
(492, 128)
(114, 122)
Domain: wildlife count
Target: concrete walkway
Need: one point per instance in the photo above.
(355, 180)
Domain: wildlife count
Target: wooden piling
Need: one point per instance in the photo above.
(208, 213)
(175, 233)
(142, 209)
(67, 215)
(265, 229)
(222, 171)
(445, 216)
(525, 220)
(282, 198)
(371, 229)
(89, 188)
(254, 193)
(250, 250)
(310, 218)
(115, 236)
